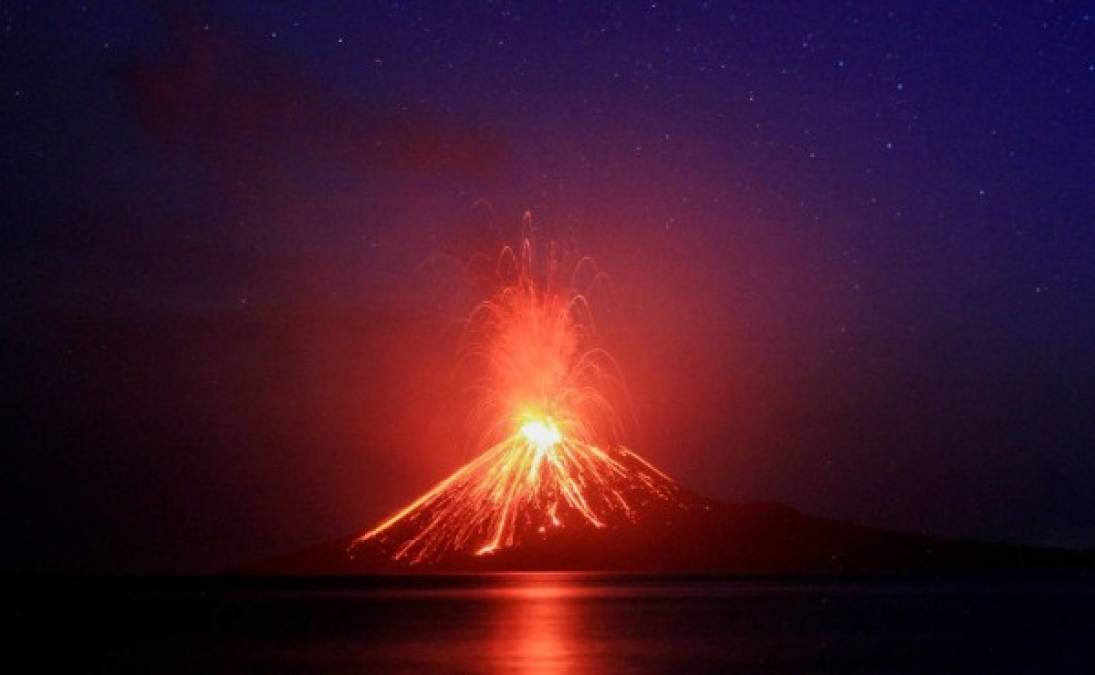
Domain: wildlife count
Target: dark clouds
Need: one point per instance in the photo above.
(256, 113)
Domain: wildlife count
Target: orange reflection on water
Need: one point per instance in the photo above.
(539, 628)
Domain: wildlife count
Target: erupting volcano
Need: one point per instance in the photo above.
(546, 397)
(555, 487)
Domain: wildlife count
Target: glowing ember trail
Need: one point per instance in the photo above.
(543, 405)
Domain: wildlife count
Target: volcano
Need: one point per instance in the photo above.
(558, 487)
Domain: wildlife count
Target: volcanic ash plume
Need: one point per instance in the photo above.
(544, 406)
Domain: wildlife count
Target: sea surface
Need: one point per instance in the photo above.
(556, 623)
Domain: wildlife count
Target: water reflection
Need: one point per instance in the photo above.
(589, 623)
(539, 627)
(575, 623)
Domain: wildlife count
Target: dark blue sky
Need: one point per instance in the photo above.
(852, 251)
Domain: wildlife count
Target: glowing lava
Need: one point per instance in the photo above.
(544, 395)
(542, 434)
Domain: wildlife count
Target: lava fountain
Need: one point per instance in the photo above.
(545, 405)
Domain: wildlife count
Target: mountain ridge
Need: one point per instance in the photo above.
(751, 538)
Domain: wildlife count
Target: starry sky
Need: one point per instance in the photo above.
(851, 250)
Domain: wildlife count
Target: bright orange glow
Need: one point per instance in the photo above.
(540, 628)
(541, 434)
(544, 393)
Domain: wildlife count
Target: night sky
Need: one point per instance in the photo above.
(851, 250)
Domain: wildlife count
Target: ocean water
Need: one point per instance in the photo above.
(558, 623)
